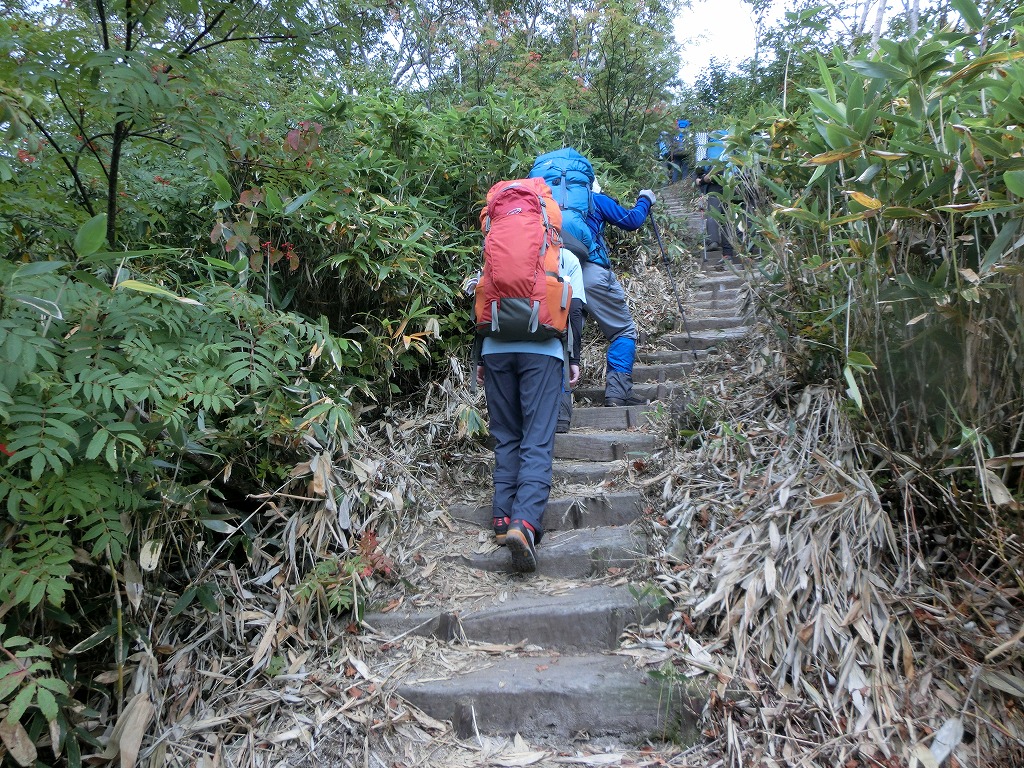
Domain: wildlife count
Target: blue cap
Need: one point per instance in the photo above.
(683, 123)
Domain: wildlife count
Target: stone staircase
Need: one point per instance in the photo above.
(566, 682)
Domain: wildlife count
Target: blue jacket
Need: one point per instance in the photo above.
(607, 210)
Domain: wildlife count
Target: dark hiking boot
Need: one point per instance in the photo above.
(615, 402)
(519, 541)
(562, 427)
(500, 525)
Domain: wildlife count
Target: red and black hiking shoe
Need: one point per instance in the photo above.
(500, 525)
(519, 541)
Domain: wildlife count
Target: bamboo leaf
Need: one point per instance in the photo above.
(836, 155)
(878, 69)
(866, 200)
(969, 11)
(42, 306)
(983, 62)
(94, 639)
(156, 290)
(298, 202)
(37, 268)
(1004, 681)
(853, 390)
(1014, 181)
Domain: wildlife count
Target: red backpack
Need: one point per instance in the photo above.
(521, 296)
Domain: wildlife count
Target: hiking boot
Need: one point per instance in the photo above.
(616, 402)
(500, 525)
(562, 427)
(519, 541)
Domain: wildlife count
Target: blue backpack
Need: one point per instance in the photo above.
(571, 177)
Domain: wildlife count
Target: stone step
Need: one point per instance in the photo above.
(645, 373)
(566, 512)
(557, 697)
(713, 323)
(718, 297)
(658, 356)
(704, 339)
(583, 472)
(581, 620)
(714, 308)
(575, 554)
(710, 281)
(605, 446)
(594, 394)
(604, 418)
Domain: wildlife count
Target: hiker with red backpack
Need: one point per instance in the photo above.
(528, 315)
(574, 186)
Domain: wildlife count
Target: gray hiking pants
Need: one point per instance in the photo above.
(606, 303)
(523, 392)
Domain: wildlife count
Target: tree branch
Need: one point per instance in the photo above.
(79, 185)
(86, 141)
(105, 34)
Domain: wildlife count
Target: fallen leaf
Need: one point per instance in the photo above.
(149, 555)
(19, 745)
(832, 498)
(947, 738)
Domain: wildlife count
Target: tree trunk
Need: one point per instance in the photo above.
(116, 147)
(876, 30)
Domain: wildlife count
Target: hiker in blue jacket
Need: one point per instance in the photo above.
(606, 299)
(524, 384)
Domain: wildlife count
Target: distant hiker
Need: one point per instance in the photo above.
(664, 151)
(606, 299)
(681, 153)
(709, 178)
(528, 314)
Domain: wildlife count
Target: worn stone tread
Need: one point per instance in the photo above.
(604, 418)
(582, 620)
(704, 339)
(594, 394)
(551, 696)
(566, 512)
(605, 446)
(645, 373)
(572, 554)
(573, 472)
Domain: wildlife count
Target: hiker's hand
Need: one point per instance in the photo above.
(574, 374)
(480, 375)
(649, 194)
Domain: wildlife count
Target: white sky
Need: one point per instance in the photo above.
(720, 28)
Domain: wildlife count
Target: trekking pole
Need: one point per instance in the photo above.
(668, 270)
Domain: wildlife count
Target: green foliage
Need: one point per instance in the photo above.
(114, 399)
(891, 211)
(27, 679)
